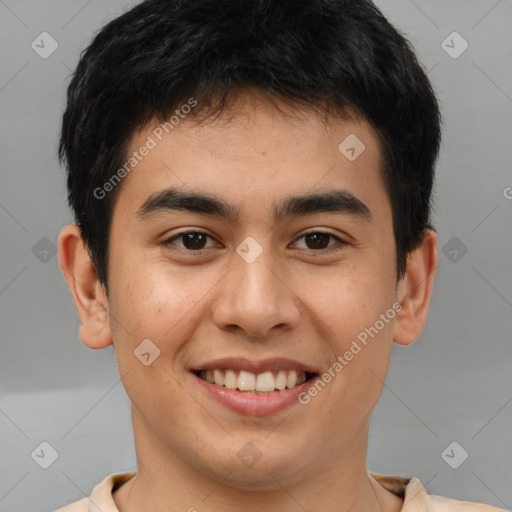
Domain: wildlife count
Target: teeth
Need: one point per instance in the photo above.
(265, 382)
(230, 380)
(246, 381)
(261, 383)
(218, 376)
(281, 380)
(291, 380)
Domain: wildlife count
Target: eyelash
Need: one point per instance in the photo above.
(199, 252)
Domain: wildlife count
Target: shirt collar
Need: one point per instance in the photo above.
(409, 489)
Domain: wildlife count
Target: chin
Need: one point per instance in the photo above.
(261, 474)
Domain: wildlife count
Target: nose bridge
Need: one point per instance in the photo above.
(258, 286)
(255, 297)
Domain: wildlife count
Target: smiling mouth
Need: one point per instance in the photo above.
(261, 383)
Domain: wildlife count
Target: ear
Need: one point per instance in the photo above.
(415, 290)
(89, 295)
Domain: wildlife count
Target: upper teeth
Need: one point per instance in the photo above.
(247, 381)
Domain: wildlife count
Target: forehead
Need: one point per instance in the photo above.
(253, 150)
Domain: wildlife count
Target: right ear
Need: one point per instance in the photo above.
(88, 293)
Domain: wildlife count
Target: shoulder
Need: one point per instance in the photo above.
(101, 499)
(416, 499)
(435, 503)
(441, 504)
(82, 505)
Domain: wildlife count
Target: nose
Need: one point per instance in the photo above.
(257, 298)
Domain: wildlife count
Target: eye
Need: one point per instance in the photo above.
(319, 240)
(193, 241)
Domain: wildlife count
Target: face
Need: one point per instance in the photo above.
(254, 277)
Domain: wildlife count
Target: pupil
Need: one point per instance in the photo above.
(192, 239)
(317, 239)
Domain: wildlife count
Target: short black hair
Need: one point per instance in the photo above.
(335, 56)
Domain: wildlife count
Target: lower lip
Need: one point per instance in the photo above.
(252, 404)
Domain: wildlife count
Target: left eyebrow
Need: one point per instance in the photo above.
(339, 201)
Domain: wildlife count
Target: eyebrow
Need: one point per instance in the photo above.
(338, 201)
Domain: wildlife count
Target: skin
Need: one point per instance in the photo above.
(295, 301)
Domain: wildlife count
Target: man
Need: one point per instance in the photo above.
(251, 185)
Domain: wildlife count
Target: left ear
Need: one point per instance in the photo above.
(415, 290)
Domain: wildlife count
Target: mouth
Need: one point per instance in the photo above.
(254, 387)
(263, 383)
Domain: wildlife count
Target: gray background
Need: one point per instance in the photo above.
(453, 384)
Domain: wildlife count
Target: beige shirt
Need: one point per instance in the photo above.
(410, 489)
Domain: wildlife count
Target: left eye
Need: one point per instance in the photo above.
(319, 239)
(195, 240)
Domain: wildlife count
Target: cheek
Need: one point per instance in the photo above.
(351, 301)
(160, 304)
(162, 307)
(359, 316)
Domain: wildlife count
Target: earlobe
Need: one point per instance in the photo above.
(88, 294)
(415, 290)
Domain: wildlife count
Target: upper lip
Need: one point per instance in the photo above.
(256, 366)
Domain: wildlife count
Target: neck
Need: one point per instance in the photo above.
(167, 482)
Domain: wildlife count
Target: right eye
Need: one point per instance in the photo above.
(192, 241)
